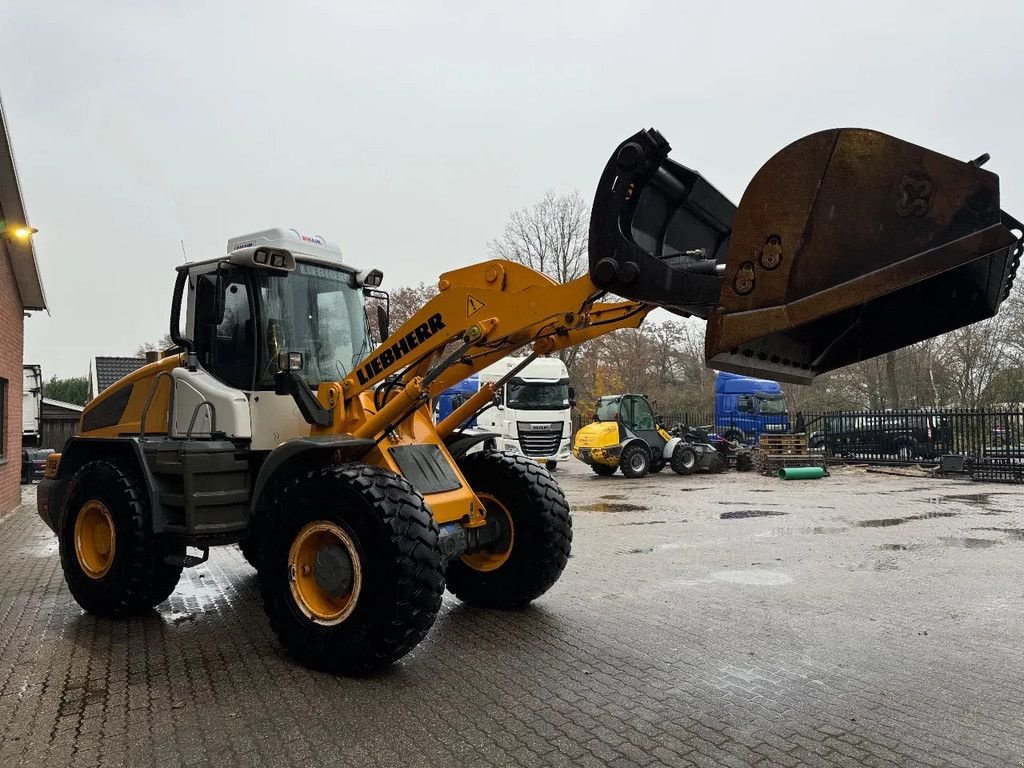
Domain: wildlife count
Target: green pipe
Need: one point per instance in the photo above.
(801, 473)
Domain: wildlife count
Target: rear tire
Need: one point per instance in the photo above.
(684, 460)
(112, 563)
(603, 469)
(540, 540)
(351, 572)
(550, 465)
(635, 460)
(249, 547)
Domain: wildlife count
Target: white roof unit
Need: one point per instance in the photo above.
(290, 240)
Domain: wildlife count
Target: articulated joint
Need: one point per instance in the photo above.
(456, 540)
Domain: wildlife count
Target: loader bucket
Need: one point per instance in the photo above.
(846, 244)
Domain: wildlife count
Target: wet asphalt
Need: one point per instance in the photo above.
(730, 620)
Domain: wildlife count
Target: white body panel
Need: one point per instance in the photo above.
(32, 400)
(670, 448)
(510, 422)
(275, 418)
(230, 406)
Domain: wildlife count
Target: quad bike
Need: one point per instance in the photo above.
(275, 423)
(625, 435)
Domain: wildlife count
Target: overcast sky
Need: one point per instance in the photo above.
(408, 131)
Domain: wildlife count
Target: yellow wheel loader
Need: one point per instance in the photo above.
(276, 423)
(625, 435)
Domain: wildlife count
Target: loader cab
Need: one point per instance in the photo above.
(277, 292)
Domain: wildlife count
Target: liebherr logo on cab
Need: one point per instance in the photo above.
(401, 348)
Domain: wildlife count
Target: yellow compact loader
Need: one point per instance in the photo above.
(275, 423)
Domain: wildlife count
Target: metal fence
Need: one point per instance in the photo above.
(990, 440)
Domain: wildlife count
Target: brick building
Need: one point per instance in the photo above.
(20, 291)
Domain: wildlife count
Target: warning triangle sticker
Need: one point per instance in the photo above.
(473, 304)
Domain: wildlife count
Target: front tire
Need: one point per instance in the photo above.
(536, 538)
(684, 460)
(351, 571)
(635, 460)
(113, 565)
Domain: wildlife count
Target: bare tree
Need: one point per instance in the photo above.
(160, 345)
(551, 237)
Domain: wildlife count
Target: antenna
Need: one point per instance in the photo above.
(183, 253)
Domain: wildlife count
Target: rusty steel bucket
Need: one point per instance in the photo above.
(846, 244)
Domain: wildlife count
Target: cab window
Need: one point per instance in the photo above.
(643, 416)
(227, 350)
(745, 403)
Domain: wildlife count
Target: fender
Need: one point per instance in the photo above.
(80, 450)
(459, 442)
(670, 447)
(348, 446)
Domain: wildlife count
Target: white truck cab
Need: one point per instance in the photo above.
(533, 411)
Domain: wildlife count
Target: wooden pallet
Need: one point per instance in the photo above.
(775, 452)
(784, 444)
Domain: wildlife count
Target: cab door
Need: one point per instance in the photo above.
(639, 418)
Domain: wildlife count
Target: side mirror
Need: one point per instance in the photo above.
(382, 322)
(572, 396)
(210, 299)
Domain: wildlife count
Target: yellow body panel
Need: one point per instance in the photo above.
(597, 440)
(141, 383)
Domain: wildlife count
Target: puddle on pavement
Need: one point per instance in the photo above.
(885, 522)
(967, 542)
(637, 551)
(763, 503)
(816, 530)
(1013, 533)
(649, 522)
(743, 514)
(975, 499)
(610, 506)
(613, 496)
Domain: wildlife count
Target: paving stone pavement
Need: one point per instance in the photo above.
(861, 620)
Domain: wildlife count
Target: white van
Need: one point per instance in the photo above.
(533, 414)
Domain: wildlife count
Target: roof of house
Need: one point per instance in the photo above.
(49, 401)
(104, 371)
(12, 211)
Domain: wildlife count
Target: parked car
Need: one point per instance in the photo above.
(33, 463)
(900, 436)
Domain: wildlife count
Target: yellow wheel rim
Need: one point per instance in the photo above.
(95, 539)
(324, 572)
(492, 559)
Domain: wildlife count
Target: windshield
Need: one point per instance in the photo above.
(773, 404)
(314, 310)
(607, 409)
(537, 396)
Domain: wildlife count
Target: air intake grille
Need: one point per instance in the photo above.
(539, 439)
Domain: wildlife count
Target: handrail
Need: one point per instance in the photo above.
(195, 415)
(149, 401)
